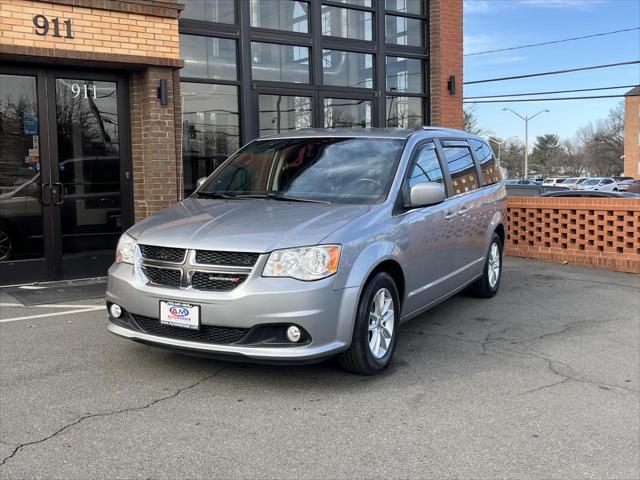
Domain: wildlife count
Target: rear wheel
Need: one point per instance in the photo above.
(487, 285)
(375, 330)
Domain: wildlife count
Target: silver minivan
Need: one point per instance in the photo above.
(315, 243)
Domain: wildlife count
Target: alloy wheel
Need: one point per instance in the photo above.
(494, 265)
(381, 323)
(5, 245)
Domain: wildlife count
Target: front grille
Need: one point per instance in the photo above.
(166, 254)
(220, 282)
(169, 277)
(232, 259)
(206, 334)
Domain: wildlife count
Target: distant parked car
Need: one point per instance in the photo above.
(632, 186)
(572, 183)
(622, 179)
(599, 183)
(589, 193)
(553, 181)
(520, 182)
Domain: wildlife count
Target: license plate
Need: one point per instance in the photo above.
(178, 314)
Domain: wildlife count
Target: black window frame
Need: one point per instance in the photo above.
(249, 89)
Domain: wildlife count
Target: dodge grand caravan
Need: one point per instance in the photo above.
(315, 243)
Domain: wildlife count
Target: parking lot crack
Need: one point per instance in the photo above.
(81, 419)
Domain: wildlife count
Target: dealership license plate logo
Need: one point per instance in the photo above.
(179, 314)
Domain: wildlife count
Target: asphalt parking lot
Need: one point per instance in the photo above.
(541, 381)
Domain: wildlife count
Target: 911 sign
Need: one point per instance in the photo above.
(43, 26)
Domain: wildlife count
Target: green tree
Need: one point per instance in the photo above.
(544, 157)
(512, 158)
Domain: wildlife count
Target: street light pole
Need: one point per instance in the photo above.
(499, 146)
(525, 119)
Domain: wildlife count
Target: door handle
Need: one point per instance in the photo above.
(42, 200)
(60, 193)
(450, 216)
(463, 210)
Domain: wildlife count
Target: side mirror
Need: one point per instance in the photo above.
(200, 181)
(424, 194)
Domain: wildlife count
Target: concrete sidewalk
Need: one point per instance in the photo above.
(541, 381)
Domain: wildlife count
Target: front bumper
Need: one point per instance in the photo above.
(326, 314)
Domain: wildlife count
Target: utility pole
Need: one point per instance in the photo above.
(525, 119)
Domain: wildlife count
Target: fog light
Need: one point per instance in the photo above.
(293, 334)
(115, 310)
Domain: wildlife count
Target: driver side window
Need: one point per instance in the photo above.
(426, 167)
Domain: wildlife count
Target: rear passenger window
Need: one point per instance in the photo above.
(426, 167)
(461, 168)
(490, 170)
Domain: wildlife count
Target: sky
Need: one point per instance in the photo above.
(495, 24)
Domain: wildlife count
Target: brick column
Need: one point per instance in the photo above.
(445, 50)
(155, 142)
(632, 134)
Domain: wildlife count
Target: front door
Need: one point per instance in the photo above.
(64, 173)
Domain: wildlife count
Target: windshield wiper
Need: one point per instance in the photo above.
(286, 198)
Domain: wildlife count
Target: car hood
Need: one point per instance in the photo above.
(248, 225)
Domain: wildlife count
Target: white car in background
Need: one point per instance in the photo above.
(553, 181)
(573, 183)
(602, 184)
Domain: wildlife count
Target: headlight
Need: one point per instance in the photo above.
(125, 252)
(306, 263)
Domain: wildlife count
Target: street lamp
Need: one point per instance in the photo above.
(499, 146)
(525, 119)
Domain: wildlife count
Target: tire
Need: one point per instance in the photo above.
(6, 244)
(487, 285)
(362, 358)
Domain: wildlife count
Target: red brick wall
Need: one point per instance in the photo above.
(155, 142)
(445, 50)
(602, 232)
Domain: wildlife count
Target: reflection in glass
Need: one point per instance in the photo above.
(279, 63)
(20, 209)
(404, 6)
(461, 167)
(286, 15)
(222, 11)
(347, 23)
(208, 57)
(347, 69)
(347, 113)
(403, 31)
(280, 113)
(210, 128)
(404, 75)
(358, 3)
(88, 164)
(404, 112)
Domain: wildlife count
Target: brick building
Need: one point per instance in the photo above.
(111, 110)
(632, 133)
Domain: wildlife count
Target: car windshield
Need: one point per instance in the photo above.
(327, 169)
(592, 181)
(570, 180)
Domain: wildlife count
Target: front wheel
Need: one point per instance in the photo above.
(487, 285)
(375, 330)
(6, 245)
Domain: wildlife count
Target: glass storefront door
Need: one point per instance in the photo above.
(64, 174)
